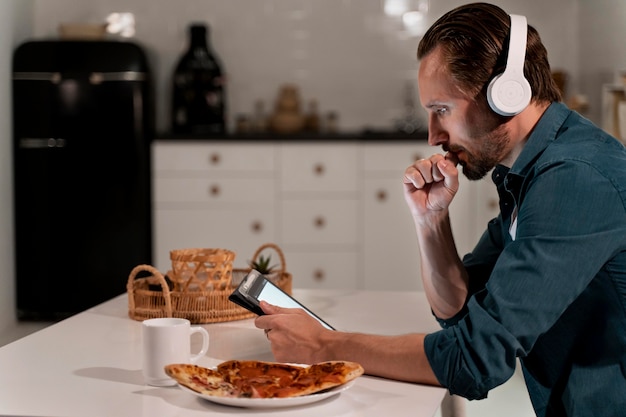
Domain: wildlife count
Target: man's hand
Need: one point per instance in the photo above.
(295, 336)
(431, 184)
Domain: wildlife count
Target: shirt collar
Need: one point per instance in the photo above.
(541, 137)
(507, 180)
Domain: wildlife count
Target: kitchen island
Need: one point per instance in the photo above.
(90, 364)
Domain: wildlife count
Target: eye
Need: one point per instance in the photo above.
(442, 110)
(438, 109)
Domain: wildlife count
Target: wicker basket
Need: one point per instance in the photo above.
(196, 297)
(201, 269)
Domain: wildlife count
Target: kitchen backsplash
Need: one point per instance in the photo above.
(354, 57)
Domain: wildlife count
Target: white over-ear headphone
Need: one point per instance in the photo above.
(509, 93)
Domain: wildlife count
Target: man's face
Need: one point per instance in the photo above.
(459, 124)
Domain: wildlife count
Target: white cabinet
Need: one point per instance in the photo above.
(336, 209)
(319, 206)
(213, 195)
(324, 168)
(239, 159)
(240, 229)
(391, 256)
(390, 251)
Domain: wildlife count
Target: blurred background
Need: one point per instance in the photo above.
(355, 57)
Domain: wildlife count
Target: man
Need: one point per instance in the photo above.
(546, 283)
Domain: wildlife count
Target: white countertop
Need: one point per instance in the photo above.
(90, 364)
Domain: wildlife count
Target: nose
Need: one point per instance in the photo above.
(437, 135)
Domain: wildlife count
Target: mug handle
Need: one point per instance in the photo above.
(205, 343)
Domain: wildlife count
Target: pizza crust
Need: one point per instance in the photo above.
(260, 379)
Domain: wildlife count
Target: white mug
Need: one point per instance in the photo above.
(166, 341)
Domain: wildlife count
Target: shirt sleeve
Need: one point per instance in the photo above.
(562, 241)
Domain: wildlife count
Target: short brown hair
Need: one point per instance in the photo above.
(472, 38)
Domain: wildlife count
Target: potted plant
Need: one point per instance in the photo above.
(263, 265)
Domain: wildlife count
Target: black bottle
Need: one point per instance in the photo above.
(199, 99)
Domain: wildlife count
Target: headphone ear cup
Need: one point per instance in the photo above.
(508, 94)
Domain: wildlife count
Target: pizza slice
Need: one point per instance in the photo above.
(201, 380)
(325, 375)
(260, 379)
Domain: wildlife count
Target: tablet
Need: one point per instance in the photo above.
(255, 287)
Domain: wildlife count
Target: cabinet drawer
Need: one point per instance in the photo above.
(241, 230)
(319, 168)
(200, 190)
(394, 158)
(237, 158)
(323, 270)
(391, 257)
(314, 222)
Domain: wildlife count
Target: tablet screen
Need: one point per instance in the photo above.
(274, 295)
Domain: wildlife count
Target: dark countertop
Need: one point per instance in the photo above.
(364, 136)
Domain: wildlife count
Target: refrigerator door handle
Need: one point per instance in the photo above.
(100, 77)
(53, 77)
(38, 143)
(94, 77)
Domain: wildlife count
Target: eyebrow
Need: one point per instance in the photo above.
(436, 104)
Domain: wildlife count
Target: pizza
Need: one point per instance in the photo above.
(260, 379)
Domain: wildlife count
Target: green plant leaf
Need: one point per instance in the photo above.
(262, 264)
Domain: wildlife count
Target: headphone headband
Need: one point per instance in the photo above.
(517, 44)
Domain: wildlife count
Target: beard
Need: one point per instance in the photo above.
(492, 147)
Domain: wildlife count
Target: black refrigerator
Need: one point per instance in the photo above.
(83, 120)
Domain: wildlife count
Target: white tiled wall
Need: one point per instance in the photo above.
(347, 54)
(344, 53)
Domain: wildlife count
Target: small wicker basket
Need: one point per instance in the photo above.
(201, 269)
(197, 290)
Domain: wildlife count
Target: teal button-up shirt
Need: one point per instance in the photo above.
(548, 278)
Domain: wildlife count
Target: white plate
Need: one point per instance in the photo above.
(272, 402)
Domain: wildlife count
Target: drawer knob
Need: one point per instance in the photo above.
(215, 190)
(215, 159)
(381, 195)
(319, 275)
(319, 169)
(319, 222)
(256, 227)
